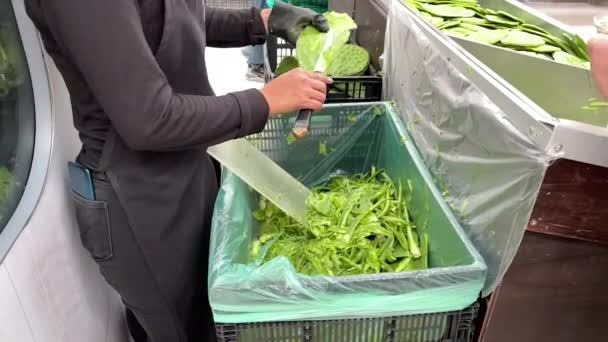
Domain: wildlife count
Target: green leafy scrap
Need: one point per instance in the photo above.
(357, 224)
(567, 58)
(291, 138)
(323, 148)
(351, 117)
(595, 106)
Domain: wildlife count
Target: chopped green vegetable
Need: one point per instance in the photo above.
(473, 27)
(535, 28)
(546, 49)
(593, 109)
(378, 110)
(566, 58)
(323, 148)
(595, 105)
(431, 19)
(354, 225)
(448, 24)
(291, 138)
(475, 21)
(522, 39)
(461, 30)
(488, 36)
(509, 16)
(448, 11)
(457, 32)
(501, 20)
(351, 117)
(468, 20)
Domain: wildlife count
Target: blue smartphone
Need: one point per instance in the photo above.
(82, 181)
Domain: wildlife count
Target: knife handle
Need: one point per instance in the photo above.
(302, 124)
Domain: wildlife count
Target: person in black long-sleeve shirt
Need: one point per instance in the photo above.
(145, 112)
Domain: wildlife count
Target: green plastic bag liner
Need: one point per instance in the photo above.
(488, 158)
(344, 139)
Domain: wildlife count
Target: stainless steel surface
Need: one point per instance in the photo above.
(524, 114)
(484, 144)
(548, 90)
(573, 140)
(560, 89)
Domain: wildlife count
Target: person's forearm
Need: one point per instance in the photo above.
(598, 50)
(235, 28)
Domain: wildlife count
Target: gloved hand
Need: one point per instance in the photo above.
(287, 21)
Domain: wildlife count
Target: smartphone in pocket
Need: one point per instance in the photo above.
(81, 181)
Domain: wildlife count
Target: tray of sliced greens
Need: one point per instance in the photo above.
(471, 20)
(523, 48)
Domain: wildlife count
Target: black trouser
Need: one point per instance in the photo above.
(157, 312)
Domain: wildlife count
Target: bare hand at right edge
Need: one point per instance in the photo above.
(598, 50)
(295, 90)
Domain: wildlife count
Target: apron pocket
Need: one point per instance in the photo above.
(94, 225)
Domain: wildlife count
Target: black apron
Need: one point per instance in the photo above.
(149, 226)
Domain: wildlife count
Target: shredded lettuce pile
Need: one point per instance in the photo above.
(355, 224)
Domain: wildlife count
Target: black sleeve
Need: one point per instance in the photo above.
(234, 28)
(105, 40)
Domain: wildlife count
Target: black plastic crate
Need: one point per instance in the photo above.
(235, 4)
(367, 88)
(440, 327)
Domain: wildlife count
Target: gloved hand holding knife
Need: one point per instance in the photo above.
(297, 89)
(288, 22)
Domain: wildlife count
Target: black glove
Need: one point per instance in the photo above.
(287, 21)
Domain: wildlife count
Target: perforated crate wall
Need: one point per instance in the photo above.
(441, 327)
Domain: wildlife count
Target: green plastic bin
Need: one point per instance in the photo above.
(357, 137)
